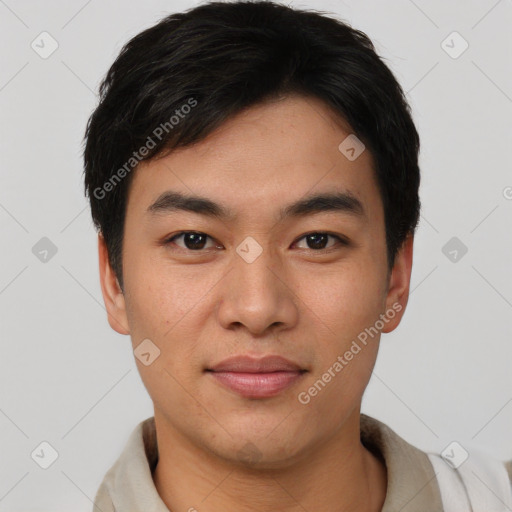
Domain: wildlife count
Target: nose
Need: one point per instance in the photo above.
(258, 296)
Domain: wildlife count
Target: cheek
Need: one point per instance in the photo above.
(346, 305)
(160, 295)
(346, 353)
(164, 307)
(159, 310)
(346, 300)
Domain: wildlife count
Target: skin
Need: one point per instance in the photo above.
(295, 300)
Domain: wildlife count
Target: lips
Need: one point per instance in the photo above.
(247, 364)
(256, 378)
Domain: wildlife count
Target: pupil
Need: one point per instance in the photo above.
(191, 241)
(315, 240)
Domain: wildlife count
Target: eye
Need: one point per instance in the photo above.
(318, 240)
(197, 241)
(193, 240)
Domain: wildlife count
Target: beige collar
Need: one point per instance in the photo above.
(412, 486)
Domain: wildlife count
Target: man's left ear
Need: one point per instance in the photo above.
(399, 282)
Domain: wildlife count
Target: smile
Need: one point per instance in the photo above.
(257, 385)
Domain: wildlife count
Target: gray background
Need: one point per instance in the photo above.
(69, 380)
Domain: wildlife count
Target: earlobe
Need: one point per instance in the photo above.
(113, 296)
(399, 283)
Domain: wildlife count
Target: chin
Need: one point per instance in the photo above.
(260, 450)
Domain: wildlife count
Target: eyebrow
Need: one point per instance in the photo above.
(343, 202)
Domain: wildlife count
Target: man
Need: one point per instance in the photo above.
(252, 171)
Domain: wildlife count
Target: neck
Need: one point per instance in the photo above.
(339, 475)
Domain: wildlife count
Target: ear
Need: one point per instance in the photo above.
(112, 293)
(398, 286)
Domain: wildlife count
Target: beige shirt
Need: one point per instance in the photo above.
(412, 486)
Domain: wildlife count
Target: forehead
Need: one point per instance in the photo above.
(265, 157)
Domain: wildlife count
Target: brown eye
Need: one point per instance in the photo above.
(192, 240)
(318, 241)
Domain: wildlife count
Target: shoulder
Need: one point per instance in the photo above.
(471, 479)
(508, 467)
(412, 484)
(458, 479)
(102, 500)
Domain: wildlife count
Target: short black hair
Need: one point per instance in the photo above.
(177, 81)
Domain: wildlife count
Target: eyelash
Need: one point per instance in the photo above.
(341, 240)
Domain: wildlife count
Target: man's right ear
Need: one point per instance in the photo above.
(112, 294)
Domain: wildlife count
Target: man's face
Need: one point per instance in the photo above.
(256, 284)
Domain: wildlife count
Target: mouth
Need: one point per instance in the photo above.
(256, 378)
